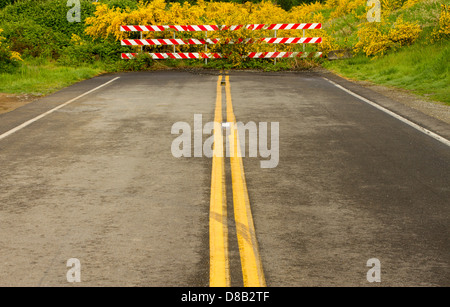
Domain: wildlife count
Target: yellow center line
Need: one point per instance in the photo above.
(218, 230)
(252, 270)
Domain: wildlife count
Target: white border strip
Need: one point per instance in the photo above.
(27, 123)
(395, 115)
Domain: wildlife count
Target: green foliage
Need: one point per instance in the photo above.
(7, 64)
(75, 55)
(141, 62)
(49, 13)
(424, 12)
(89, 52)
(39, 28)
(32, 39)
(4, 3)
(8, 60)
(123, 4)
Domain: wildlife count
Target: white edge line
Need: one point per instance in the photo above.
(29, 122)
(395, 115)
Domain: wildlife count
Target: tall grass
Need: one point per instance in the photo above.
(41, 77)
(421, 68)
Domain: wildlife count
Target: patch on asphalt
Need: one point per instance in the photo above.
(10, 102)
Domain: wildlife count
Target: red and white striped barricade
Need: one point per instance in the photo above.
(208, 41)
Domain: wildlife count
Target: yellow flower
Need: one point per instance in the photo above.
(15, 56)
(76, 40)
(1, 37)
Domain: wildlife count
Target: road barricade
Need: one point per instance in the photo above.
(211, 41)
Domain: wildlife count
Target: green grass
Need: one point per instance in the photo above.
(42, 77)
(420, 68)
(425, 13)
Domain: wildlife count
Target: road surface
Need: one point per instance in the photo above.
(91, 173)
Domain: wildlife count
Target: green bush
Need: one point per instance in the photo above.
(4, 3)
(141, 62)
(47, 13)
(39, 28)
(123, 4)
(87, 52)
(32, 39)
(76, 55)
(7, 62)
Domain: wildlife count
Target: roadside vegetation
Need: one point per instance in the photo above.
(41, 51)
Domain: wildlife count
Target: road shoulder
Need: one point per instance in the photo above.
(432, 115)
(10, 102)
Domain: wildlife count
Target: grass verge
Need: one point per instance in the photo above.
(41, 77)
(421, 68)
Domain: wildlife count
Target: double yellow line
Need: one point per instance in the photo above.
(252, 270)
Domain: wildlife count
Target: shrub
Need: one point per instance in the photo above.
(33, 39)
(404, 33)
(77, 54)
(376, 39)
(47, 13)
(372, 39)
(9, 60)
(82, 51)
(142, 61)
(442, 30)
(40, 27)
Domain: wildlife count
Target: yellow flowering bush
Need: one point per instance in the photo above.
(372, 40)
(106, 22)
(404, 33)
(309, 12)
(377, 38)
(328, 42)
(442, 30)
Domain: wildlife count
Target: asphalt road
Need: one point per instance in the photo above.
(97, 180)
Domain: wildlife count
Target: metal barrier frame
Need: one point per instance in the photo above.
(206, 41)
